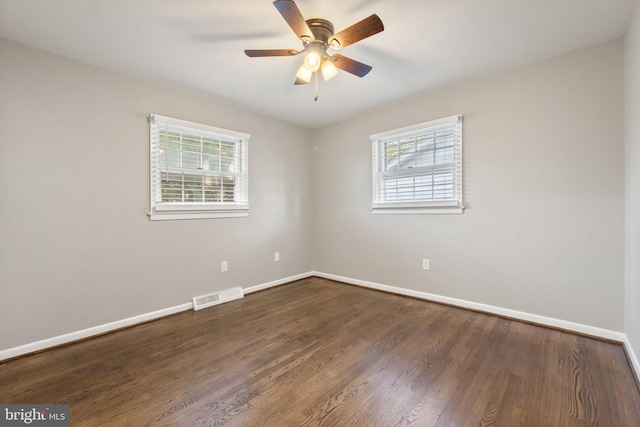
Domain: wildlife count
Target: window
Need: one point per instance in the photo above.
(197, 171)
(418, 169)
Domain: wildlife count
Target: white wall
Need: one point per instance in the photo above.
(76, 247)
(543, 232)
(632, 182)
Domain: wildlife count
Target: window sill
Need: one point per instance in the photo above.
(173, 215)
(443, 208)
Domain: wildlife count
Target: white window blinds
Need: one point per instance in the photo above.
(418, 169)
(197, 171)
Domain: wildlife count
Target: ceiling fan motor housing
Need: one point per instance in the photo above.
(321, 28)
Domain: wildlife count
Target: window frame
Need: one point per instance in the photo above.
(452, 205)
(159, 210)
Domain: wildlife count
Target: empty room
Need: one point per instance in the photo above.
(320, 213)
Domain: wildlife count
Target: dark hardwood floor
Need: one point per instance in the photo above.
(317, 352)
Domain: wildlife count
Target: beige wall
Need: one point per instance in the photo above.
(632, 88)
(76, 247)
(544, 188)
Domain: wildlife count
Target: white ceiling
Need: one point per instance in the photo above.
(199, 44)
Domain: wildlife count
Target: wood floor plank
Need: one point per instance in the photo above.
(321, 353)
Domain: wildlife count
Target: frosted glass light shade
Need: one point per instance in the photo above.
(328, 70)
(304, 74)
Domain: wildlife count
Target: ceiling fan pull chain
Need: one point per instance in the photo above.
(316, 78)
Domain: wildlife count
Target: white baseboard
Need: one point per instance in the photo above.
(90, 332)
(633, 357)
(124, 323)
(528, 317)
(268, 285)
(542, 320)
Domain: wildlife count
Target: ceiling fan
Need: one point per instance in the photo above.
(317, 36)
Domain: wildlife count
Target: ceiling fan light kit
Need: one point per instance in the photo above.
(317, 35)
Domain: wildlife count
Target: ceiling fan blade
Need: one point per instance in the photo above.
(270, 52)
(294, 18)
(351, 65)
(211, 37)
(299, 81)
(358, 31)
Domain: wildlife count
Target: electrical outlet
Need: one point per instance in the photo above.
(224, 266)
(276, 256)
(425, 264)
